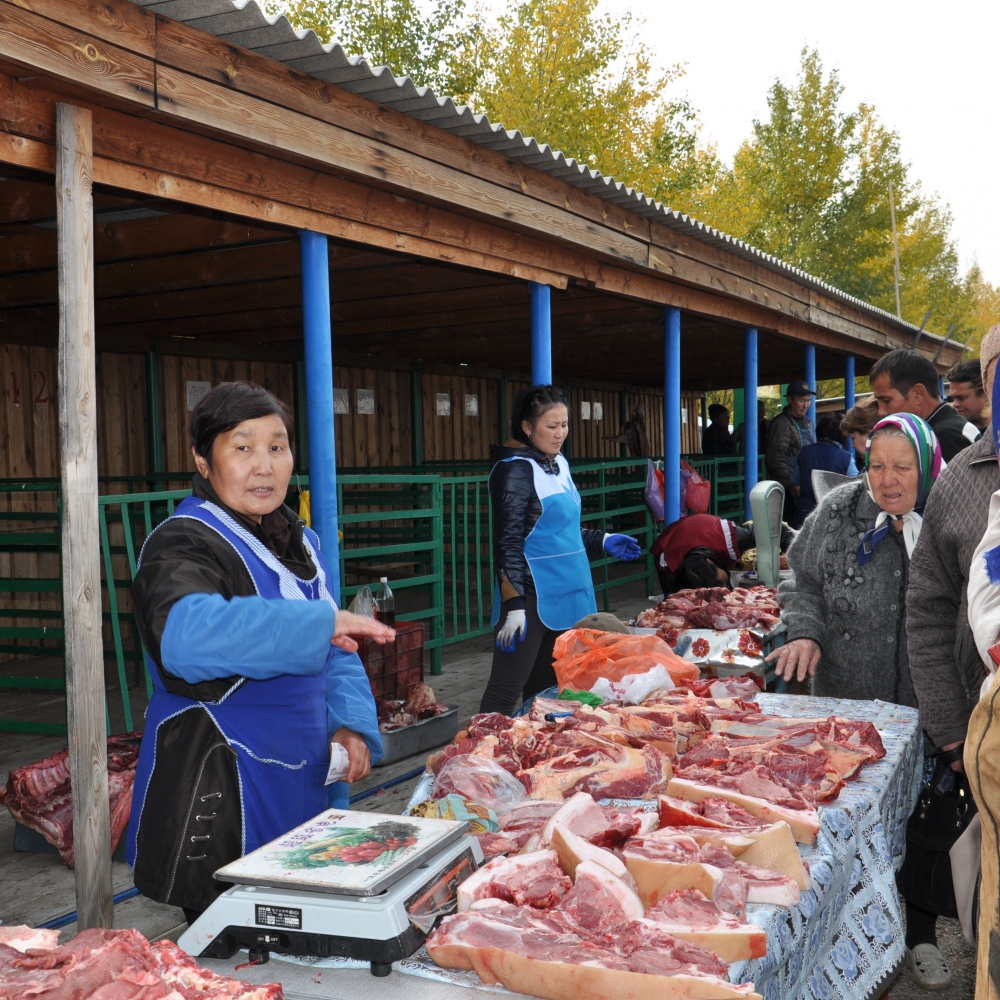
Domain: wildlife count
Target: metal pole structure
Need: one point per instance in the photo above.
(810, 360)
(849, 381)
(944, 343)
(749, 415)
(319, 397)
(541, 334)
(920, 332)
(81, 546)
(672, 415)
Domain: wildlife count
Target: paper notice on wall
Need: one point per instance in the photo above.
(366, 401)
(684, 415)
(196, 391)
(471, 405)
(598, 411)
(585, 411)
(341, 402)
(442, 404)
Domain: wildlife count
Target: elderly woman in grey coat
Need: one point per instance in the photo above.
(845, 608)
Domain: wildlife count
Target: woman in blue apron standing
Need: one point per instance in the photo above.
(253, 666)
(541, 554)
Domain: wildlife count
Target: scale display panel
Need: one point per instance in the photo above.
(345, 853)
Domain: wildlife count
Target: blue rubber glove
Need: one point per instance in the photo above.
(513, 631)
(623, 547)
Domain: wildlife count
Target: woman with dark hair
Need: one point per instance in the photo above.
(541, 554)
(254, 670)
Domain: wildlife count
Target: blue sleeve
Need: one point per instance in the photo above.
(207, 637)
(349, 701)
(852, 469)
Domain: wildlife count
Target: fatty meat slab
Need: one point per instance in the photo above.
(38, 795)
(102, 964)
(715, 608)
(691, 916)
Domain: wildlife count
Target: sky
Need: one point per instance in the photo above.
(928, 68)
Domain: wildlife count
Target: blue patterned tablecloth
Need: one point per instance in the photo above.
(846, 933)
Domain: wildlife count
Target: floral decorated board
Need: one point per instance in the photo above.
(349, 853)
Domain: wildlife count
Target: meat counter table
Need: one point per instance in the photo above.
(838, 943)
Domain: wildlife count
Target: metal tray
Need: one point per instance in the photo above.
(421, 736)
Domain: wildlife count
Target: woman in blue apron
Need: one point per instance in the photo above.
(254, 669)
(541, 554)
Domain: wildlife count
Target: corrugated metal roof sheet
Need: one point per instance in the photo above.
(243, 23)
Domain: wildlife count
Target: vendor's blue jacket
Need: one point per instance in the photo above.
(236, 618)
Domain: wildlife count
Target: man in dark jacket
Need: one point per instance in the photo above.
(789, 432)
(944, 662)
(906, 382)
(827, 455)
(716, 439)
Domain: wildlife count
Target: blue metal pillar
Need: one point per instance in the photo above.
(541, 334)
(319, 397)
(672, 415)
(849, 381)
(941, 386)
(750, 444)
(811, 378)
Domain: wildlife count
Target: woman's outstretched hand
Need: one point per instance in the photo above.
(796, 659)
(350, 626)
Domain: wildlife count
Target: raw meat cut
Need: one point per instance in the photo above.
(599, 901)
(494, 844)
(479, 779)
(715, 608)
(38, 795)
(664, 861)
(573, 851)
(692, 916)
(605, 770)
(762, 886)
(421, 704)
(803, 820)
(600, 825)
(117, 965)
(713, 811)
(545, 956)
(24, 938)
(534, 880)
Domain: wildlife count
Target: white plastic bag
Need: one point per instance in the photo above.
(634, 688)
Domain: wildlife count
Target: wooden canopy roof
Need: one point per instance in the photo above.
(209, 158)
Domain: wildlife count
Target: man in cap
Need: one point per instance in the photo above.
(945, 665)
(906, 382)
(787, 434)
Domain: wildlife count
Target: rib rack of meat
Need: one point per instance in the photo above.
(38, 795)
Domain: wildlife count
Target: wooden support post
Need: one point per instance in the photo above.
(81, 550)
(503, 415)
(417, 416)
(301, 419)
(154, 411)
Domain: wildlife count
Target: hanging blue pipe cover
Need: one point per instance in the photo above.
(319, 397)
(541, 334)
(672, 415)
(750, 444)
(811, 378)
(849, 382)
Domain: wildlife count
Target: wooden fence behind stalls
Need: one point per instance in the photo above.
(461, 414)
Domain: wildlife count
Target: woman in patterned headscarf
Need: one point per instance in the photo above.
(845, 611)
(845, 607)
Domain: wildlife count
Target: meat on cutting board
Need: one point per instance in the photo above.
(690, 915)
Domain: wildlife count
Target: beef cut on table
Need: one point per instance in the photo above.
(39, 796)
(102, 964)
(692, 916)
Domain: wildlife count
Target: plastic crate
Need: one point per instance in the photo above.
(397, 667)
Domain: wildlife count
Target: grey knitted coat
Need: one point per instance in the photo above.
(944, 662)
(855, 613)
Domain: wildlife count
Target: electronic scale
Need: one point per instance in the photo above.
(359, 885)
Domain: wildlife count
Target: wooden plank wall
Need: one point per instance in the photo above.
(371, 441)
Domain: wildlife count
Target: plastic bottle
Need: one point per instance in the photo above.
(385, 604)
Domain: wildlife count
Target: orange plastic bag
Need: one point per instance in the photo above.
(582, 656)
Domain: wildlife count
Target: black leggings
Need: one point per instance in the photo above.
(524, 672)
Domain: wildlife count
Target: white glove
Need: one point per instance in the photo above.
(512, 631)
